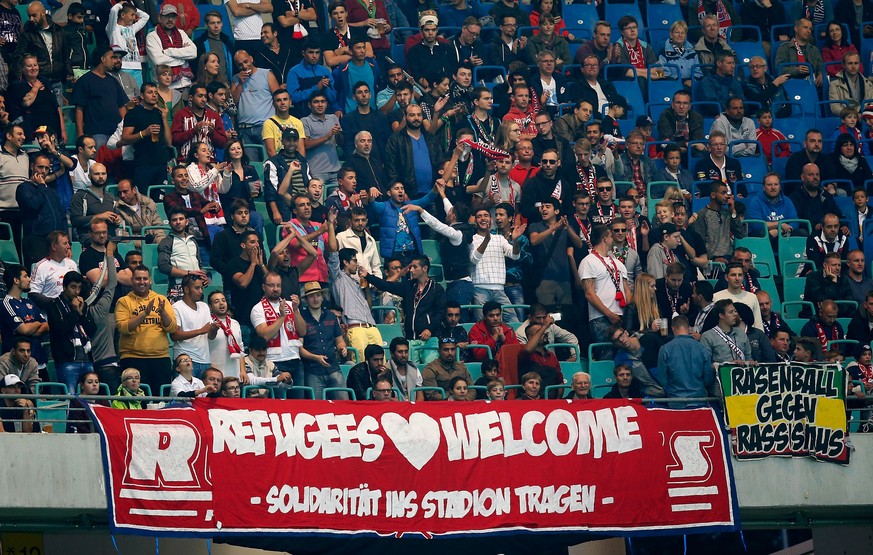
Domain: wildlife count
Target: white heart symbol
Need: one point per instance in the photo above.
(417, 439)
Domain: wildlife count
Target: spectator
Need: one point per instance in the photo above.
(279, 321)
(855, 278)
(11, 29)
(18, 362)
(825, 284)
(781, 344)
(861, 326)
(346, 286)
(138, 211)
(727, 343)
(825, 326)
(41, 211)
(374, 19)
(624, 387)
(672, 171)
(61, 165)
(308, 231)
(226, 347)
(528, 152)
(18, 415)
(762, 350)
(297, 20)
(672, 292)
(845, 163)
(280, 261)
(721, 85)
(130, 387)
(253, 91)
(599, 46)
(812, 144)
(201, 213)
(171, 46)
(604, 281)
(760, 87)
(309, 77)
(86, 154)
(831, 239)
(34, 102)
(20, 317)
(681, 53)
(849, 83)
(365, 375)
(336, 43)
(359, 68)
(197, 123)
(771, 320)
(580, 387)
(537, 359)
(553, 235)
(440, 372)
(179, 255)
(247, 273)
(712, 43)
(410, 154)
(507, 48)
(633, 51)
(48, 273)
(195, 326)
(403, 374)
(767, 135)
(686, 366)
(144, 318)
(321, 344)
(272, 55)
(487, 257)
(368, 168)
(718, 222)
(186, 384)
(216, 42)
(680, 124)
(429, 57)
(633, 165)
(93, 203)
(735, 275)
(364, 118)
(124, 23)
(400, 234)
(322, 133)
(147, 127)
(664, 252)
(811, 201)
(14, 169)
(801, 50)
(465, 48)
(703, 305)
(275, 127)
(640, 354)
(286, 175)
(46, 41)
(736, 127)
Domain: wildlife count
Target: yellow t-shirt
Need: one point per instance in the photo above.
(149, 339)
(273, 131)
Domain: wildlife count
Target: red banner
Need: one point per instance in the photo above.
(241, 466)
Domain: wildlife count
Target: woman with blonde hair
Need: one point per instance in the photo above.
(642, 314)
(507, 136)
(168, 98)
(130, 381)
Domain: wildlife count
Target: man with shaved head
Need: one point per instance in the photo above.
(810, 201)
(93, 203)
(38, 35)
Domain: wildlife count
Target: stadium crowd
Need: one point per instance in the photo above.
(215, 200)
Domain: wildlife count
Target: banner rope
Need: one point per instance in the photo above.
(743, 541)
(115, 544)
(208, 547)
(157, 547)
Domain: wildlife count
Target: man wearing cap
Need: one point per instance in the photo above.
(147, 129)
(18, 415)
(40, 37)
(99, 98)
(663, 253)
(127, 80)
(322, 342)
(276, 123)
(171, 46)
(429, 57)
(287, 162)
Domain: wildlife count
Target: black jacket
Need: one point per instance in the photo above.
(399, 163)
(370, 172)
(456, 259)
(859, 328)
(589, 95)
(424, 314)
(76, 37)
(540, 187)
(41, 209)
(375, 122)
(31, 42)
(62, 320)
(361, 378)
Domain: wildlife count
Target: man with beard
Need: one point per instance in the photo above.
(811, 201)
(727, 343)
(179, 254)
(358, 238)
(830, 239)
(41, 211)
(278, 320)
(93, 203)
(736, 127)
(365, 118)
(368, 168)
(387, 100)
(571, 127)
(196, 122)
(44, 39)
(147, 129)
(321, 343)
(718, 222)
(411, 155)
(545, 184)
(226, 347)
(272, 55)
(171, 46)
(812, 144)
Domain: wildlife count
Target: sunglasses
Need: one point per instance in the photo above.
(604, 189)
(547, 162)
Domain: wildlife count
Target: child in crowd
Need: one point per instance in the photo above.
(859, 215)
(496, 390)
(314, 191)
(490, 369)
(767, 135)
(850, 117)
(457, 389)
(610, 127)
(125, 21)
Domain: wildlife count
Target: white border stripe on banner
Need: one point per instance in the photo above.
(691, 507)
(161, 512)
(686, 492)
(166, 495)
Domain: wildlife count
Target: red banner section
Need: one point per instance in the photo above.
(240, 466)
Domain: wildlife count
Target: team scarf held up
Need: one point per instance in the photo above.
(288, 326)
(724, 18)
(232, 346)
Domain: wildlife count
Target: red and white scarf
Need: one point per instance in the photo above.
(173, 39)
(489, 150)
(271, 316)
(822, 336)
(232, 346)
(637, 58)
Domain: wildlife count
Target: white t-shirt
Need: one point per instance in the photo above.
(748, 299)
(181, 385)
(81, 179)
(592, 268)
(188, 320)
(247, 27)
(289, 349)
(47, 277)
(552, 93)
(219, 354)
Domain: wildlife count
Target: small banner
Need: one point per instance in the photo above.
(245, 466)
(790, 410)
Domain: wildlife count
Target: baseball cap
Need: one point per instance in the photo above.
(667, 229)
(169, 9)
(11, 379)
(116, 49)
(290, 133)
(44, 130)
(644, 121)
(428, 19)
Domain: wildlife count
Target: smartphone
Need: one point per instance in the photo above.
(556, 316)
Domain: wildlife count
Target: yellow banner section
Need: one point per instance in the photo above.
(22, 544)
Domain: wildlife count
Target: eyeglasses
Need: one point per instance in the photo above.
(447, 340)
(630, 28)
(547, 162)
(232, 388)
(382, 390)
(603, 189)
(513, 25)
(540, 123)
(619, 230)
(756, 66)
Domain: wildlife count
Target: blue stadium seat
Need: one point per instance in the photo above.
(748, 47)
(615, 11)
(760, 246)
(655, 109)
(657, 37)
(662, 15)
(662, 90)
(583, 16)
(801, 90)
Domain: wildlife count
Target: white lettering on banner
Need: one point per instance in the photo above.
(467, 436)
(161, 455)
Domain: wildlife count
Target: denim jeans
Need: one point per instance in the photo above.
(295, 368)
(598, 328)
(515, 293)
(252, 136)
(199, 368)
(461, 291)
(69, 372)
(481, 296)
(320, 381)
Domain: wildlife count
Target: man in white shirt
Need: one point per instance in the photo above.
(734, 275)
(47, 281)
(171, 46)
(279, 322)
(487, 255)
(247, 22)
(226, 349)
(357, 237)
(194, 324)
(604, 280)
(86, 154)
